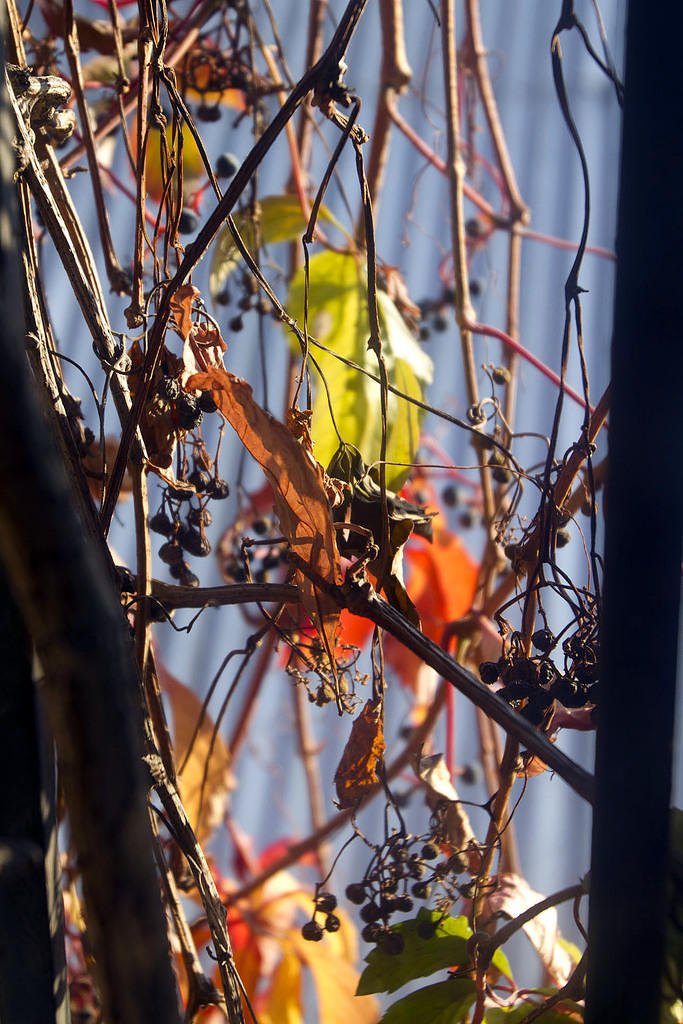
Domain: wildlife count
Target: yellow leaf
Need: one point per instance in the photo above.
(204, 778)
(284, 999)
(335, 981)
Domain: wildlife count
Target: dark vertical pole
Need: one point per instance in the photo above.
(644, 516)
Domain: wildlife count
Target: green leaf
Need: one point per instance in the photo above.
(445, 1003)
(338, 318)
(281, 221)
(420, 957)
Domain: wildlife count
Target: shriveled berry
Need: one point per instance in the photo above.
(227, 165)
(187, 577)
(194, 542)
(501, 375)
(312, 931)
(206, 402)
(199, 517)
(170, 553)
(179, 493)
(546, 673)
(161, 523)
(355, 893)
(188, 412)
(332, 923)
(326, 901)
(422, 890)
(199, 479)
(400, 854)
(543, 640)
(429, 851)
(168, 388)
(218, 489)
(488, 672)
(416, 869)
(393, 943)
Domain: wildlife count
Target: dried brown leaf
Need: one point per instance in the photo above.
(298, 486)
(203, 349)
(181, 308)
(363, 753)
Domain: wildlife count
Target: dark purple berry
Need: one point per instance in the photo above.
(326, 902)
(372, 932)
(332, 923)
(370, 912)
(168, 388)
(488, 672)
(312, 931)
(218, 489)
(429, 851)
(161, 523)
(171, 553)
(422, 890)
(188, 223)
(206, 402)
(355, 893)
(227, 165)
(199, 479)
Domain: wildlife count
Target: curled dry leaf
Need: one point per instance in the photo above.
(181, 308)
(94, 468)
(205, 780)
(357, 770)
(156, 421)
(433, 771)
(512, 896)
(203, 349)
(298, 486)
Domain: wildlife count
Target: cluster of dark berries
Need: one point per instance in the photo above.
(468, 505)
(325, 903)
(405, 870)
(249, 300)
(183, 517)
(264, 557)
(531, 684)
(434, 314)
(187, 409)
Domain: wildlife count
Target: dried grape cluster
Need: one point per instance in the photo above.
(403, 870)
(183, 514)
(531, 685)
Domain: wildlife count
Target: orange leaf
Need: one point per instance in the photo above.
(205, 779)
(357, 770)
(181, 308)
(297, 479)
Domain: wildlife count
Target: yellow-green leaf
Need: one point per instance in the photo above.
(281, 220)
(338, 318)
